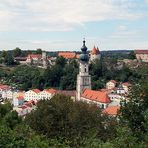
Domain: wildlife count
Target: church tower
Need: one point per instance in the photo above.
(83, 78)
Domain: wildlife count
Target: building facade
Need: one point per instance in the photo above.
(142, 55)
(111, 84)
(83, 78)
(95, 54)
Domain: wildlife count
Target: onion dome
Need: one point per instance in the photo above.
(84, 48)
(84, 57)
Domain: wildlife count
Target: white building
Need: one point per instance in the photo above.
(83, 78)
(142, 55)
(126, 86)
(32, 95)
(111, 84)
(47, 94)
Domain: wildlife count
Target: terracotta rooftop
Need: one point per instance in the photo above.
(95, 50)
(111, 110)
(141, 51)
(126, 84)
(67, 55)
(98, 96)
(36, 91)
(3, 86)
(20, 98)
(32, 56)
(51, 90)
(113, 81)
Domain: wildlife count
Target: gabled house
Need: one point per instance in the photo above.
(32, 95)
(111, 84)
(47, 94)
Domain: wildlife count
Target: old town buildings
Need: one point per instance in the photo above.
(142, 55)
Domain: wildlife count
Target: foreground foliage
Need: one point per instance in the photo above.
(60, 117)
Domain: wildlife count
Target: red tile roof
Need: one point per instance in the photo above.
(111, 110)
(113, 81)
(32, 56)
(141, 51)
(51, 91)
(20, 98)
(67, 55)
(95, 50)
(3, 87)
(36, 91)
(126, 84)
(98, 96)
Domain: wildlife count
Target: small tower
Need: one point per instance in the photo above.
(95, 54)
(83, 78)
(44, 58)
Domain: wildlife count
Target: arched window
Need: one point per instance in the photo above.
(85, 69)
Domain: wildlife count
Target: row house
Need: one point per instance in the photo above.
(32, 95)
(100, 98)
(36, 94)
(3, 88)
(47, 94)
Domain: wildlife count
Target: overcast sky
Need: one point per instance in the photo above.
(62, 24)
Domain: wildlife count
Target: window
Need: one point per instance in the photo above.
(102, 106)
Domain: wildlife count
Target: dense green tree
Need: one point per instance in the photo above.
(39, 51)
(132, 55)
(61, 61)
(4, 53)
(9, 60)
(133, 110)
(17, 52)
(68, 80)
(60, 117)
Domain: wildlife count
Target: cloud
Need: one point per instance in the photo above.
(62, 15)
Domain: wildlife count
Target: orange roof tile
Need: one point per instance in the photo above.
(20, 98)
(99, 96)
(34, 56)
(36, 91)
(67, 55)
(51, 91)
(126, 84)
(113, 81)
(111, 110)
(141, 51)
(4, 86)
(95, 50)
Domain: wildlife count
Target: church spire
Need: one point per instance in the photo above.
(83, 56)
(83, 78)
